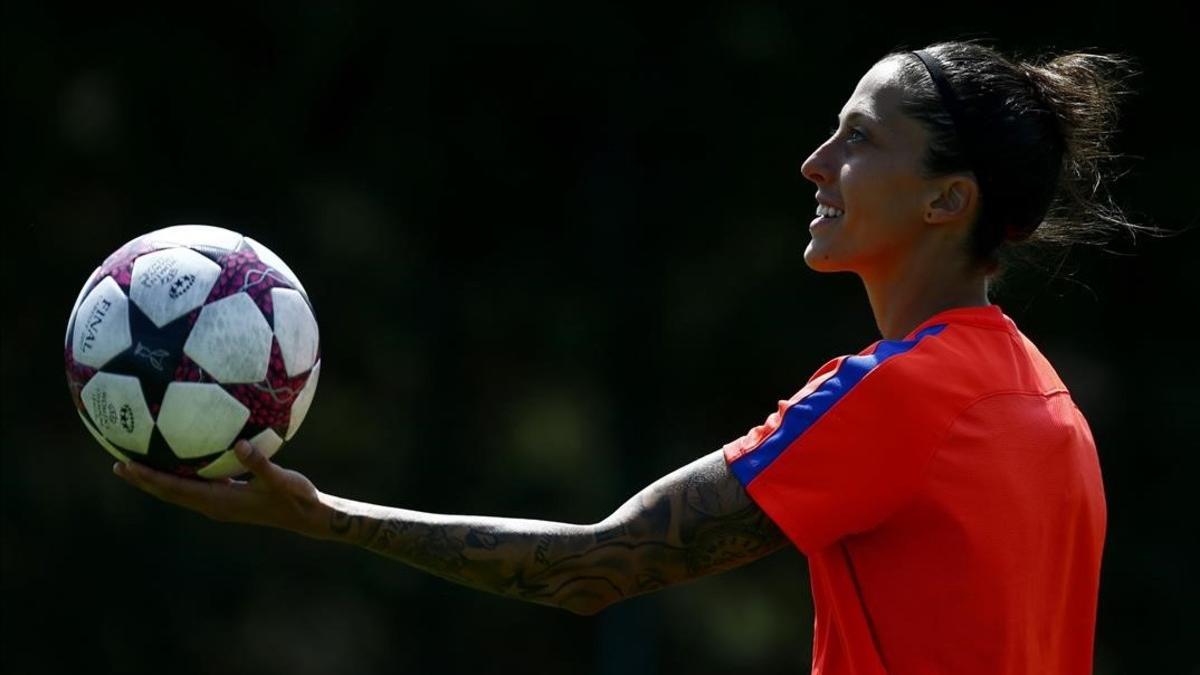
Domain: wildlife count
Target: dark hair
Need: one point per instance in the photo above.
(1041, 130)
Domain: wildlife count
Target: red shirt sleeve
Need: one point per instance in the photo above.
(849, 448)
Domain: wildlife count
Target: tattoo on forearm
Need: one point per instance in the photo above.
(481, 539)
(693, 522)
(540, 554)
(357, 528)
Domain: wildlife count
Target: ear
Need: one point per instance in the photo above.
(954, 200)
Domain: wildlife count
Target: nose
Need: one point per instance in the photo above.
(816, 168)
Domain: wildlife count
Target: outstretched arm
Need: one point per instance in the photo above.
(690, 523)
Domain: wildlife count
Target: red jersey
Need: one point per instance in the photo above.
(946, 491)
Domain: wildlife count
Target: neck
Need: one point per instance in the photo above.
(904, 297)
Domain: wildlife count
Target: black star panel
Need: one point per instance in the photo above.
(153, 356)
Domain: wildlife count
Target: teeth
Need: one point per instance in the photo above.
(828, 211)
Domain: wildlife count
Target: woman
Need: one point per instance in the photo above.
(942, 483)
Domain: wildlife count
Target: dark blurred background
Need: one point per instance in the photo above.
(555, 250)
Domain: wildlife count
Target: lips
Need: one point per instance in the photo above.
(828, 201)
(824, 220)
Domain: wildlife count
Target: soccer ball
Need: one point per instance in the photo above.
(186, 340)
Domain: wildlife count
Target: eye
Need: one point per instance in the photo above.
(854, 135)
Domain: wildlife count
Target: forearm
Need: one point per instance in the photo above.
(691, 523)
(522, 559)
(580, 568)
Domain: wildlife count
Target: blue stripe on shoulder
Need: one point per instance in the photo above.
(805, 412)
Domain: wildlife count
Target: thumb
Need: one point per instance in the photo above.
(254, 460)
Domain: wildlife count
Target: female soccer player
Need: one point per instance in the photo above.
(942, 483)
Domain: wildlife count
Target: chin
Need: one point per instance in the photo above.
(819, 260)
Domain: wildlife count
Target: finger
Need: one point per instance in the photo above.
(134, 474)
(258, 463)
(193, 494)
(156, 482)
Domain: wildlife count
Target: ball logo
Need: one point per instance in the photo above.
(127, 418)
(154, 356)
(181, 286)
(104, 413)
(277, 394)
(254, 277)
(92, 326)
(162, 271)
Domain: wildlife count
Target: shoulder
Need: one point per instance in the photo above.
(925, 358)
(925, 380)
(882, 363)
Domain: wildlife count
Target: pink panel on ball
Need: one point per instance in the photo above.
(270, 401)
(120, 264)
(244, 271)
(189, 371)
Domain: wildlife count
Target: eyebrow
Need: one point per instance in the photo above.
(855, 114)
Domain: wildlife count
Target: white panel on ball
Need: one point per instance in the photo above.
(112, 449)
(275, 262)
(231, 340)
(198, 419)
(266, 441)
(303, 401)
(295, 329)
(101, 325)
(203, 236)
(78, 300)
(169, 283)
(118, 408)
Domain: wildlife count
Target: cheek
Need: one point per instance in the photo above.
(862, 189)
(883, 196)
(881, 220)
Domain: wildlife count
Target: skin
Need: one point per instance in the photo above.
(902, 233)
(693, 522)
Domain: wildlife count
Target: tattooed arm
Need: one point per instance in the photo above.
(690, 523)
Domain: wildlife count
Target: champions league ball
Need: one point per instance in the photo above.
(186, 340)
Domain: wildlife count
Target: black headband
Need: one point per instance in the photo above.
(958, 116)
(952, 106)
(945, 91)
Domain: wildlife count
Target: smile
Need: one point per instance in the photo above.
(824, 220)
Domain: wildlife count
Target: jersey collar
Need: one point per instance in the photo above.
(987, 316)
